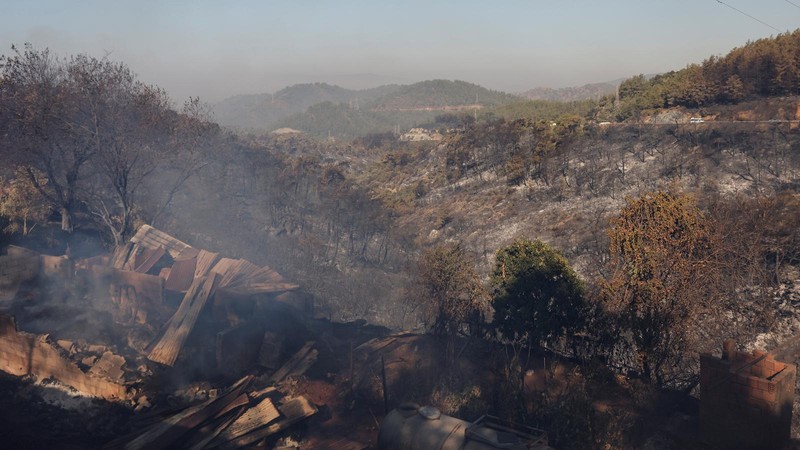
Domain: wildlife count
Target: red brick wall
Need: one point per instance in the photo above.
(745, 399)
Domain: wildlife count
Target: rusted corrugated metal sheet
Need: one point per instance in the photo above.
(181, 275)
(120, 256)
(243, 277)
(147, 258)
(149, 237)
(205, 261)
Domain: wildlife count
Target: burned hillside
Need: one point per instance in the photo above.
(561, 280)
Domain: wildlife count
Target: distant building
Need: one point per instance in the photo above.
(285, 131)
(421, 134)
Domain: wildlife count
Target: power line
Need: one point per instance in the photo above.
(748, 15)
(793, 4)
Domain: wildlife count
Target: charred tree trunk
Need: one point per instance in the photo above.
(67, 222)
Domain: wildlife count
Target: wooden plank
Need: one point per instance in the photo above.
(262, 288)
(182, 322)
(162, 340)
(166, 433)
(287, 368)
(241, 400)
(256, 417)
(142, 419)
(293, 411)
(208, 433)
(257, 395)
(146, 439)
(266, 276)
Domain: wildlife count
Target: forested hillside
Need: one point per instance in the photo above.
(344, 121)
(323, 110)
(264, 111)
(572, 94)
(439, 94)
(766, 67)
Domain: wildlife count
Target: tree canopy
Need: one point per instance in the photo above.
(537, 296)
(452, 289)
(89, 136)
(764, 67)
(664, 274)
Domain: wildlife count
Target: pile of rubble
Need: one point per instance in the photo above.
(184, 310)
(238, 417)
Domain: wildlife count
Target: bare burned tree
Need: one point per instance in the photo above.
(451, 293)
(37, 98)
(194, 135)
(126, 124)
(99, 137)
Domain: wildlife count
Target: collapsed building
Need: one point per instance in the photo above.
(177, 311)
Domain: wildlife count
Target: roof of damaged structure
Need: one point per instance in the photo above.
(228, 320)
(197, 273)
(152, 238)
(149, 245)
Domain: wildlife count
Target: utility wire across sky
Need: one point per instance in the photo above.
(793, 4)
(754, 18)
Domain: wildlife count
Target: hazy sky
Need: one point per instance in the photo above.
(214, 49)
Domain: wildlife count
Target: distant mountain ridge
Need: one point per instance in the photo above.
(268, 111)
(574, 93)
(441, 94)
(263, 111)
